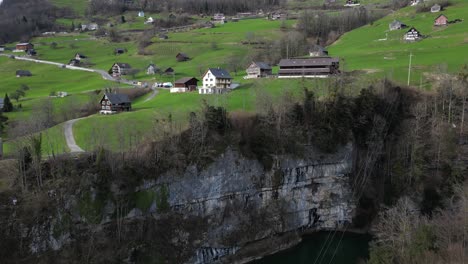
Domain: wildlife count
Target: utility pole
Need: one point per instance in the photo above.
(409, 67)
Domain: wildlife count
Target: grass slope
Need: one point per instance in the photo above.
(443, 49)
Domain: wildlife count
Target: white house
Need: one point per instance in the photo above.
(435, 8)
(150, 20)
(141, 14)
(91, 27)
(2, 48)
(215, 81)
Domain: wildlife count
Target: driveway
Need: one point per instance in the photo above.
(70, 138)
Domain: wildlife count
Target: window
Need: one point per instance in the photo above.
(206, 80)
(211, 80)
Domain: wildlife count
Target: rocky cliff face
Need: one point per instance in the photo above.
(245, 203)
(215, 213)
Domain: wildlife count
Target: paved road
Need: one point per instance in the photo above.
(105, 75)
(68, 131)
(155, 92)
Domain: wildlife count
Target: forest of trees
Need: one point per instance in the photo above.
(19, 20)
(187, 6)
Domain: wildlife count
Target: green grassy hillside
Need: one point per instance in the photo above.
(442, 49)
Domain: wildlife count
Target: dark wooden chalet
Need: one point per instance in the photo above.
(311, 67)
(190, 83)
(113, 102)
(182, 57)
(24, 46)
(23, 73)
(412, 35)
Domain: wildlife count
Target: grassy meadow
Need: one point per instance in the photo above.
(442, 50)
(359, 50)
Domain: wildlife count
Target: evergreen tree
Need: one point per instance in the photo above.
(3, 119)
(72, 26)
(7, 105)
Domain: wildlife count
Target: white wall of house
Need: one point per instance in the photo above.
(178, 90)
(209, 80)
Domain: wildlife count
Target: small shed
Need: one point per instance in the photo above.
(169, 71)
(441, 20)
(435, 8)
(23, 73)
(119, 51)
(182, 57)
(396, 24)
(2, 48)
(141, 14)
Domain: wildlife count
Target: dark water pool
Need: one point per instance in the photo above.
(352, 249)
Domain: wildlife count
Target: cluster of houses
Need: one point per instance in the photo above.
(413, 34)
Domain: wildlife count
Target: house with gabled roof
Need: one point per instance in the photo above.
(318, 51)
(186, 84)
(441, 20)
(436, 8)
(215, 81)
(258, 69)
(118, 69)
(319, 67)
(182, 57)
(152, 69)
(396, 25)
(412, 35)
(112, 103)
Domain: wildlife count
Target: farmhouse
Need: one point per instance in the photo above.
(219, 17)
(258, 70)
(182, 57)
(23, 73)
(395, 25)
(412, 35)
(119, 69)
(435, 8)
(91, 27)
(318, 51)
(441, 20)
(215, 80)
(186, 84)
(311, 67)
(112, 103)
(24, 46)
(152, 69)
